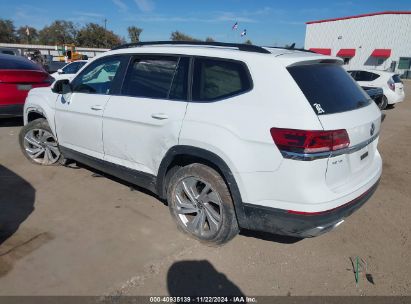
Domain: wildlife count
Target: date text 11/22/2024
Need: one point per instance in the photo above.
(203, 299)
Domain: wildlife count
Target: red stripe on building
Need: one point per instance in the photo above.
(360, 16)
(383, 53)
(346, 53)
(321, 51)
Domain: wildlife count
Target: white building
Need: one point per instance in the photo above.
(372, 41)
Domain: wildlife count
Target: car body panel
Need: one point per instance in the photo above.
(138, 132)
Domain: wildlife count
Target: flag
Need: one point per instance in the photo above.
(235, 26)
(243, 33)
(27, 31)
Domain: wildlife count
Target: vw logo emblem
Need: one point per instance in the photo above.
(372, 130)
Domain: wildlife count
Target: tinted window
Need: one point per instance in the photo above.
(97, 77)
(365, 76)
(328, 88)
(8, 62)
(396, 78)
(215, 79)
(178, 89)
(150, 77)
(73, 68)
(373, 76)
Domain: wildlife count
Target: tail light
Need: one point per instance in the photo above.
(391, 84)
(303, 141)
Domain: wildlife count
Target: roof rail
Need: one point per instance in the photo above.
(291, 49)
(240, 46)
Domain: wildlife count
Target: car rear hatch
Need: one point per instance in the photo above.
(340, 104)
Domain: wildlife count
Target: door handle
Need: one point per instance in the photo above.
(159, 116)
(96, 108)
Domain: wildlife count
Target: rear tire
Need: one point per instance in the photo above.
(384, 102)
(39, 145)
(201, 204)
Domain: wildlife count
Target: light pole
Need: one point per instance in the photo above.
(105, 31)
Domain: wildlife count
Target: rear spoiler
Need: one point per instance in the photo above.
(318, 61)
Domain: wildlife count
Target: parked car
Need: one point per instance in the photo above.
(390, 83)
(53, 66)
(8, 51)
(376, 94)
(18, 75)
(69, 70)
(231, 135)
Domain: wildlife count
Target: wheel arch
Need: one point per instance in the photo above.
(34, 113)
(184, 155)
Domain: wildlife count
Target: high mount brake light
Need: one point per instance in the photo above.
(307, 142)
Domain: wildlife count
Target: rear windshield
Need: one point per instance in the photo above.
(8, 62)
(396, 78)
(329, 88)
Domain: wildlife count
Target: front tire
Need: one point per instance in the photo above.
(201, 204)
(38, 143)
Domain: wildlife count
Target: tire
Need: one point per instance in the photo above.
(201, 204)
(384, 102)
(39, 145)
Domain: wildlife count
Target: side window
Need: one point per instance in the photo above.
(71, 68)
(98, 77)
(151, 77)
(362, 76)
(178, 89)
(353, 74)
(215, 79)
(373, 76)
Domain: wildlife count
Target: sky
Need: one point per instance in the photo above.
(274, 23)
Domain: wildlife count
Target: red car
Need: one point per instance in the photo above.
(17, 76)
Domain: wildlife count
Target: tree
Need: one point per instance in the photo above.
(134, 33)
(59, 32)
(22, 36)
(7, 31)
(248, 41)
(209, 39)
(94, 35)
(178, 36)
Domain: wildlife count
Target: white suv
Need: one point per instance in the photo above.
(232, 136)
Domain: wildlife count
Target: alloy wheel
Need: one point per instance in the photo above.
(41, 146)
(198, 206)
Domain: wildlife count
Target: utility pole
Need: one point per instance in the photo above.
(105, 31)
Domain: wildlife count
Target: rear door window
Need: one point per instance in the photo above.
(374, 76)
(150, 76)
(329, 88)
(216, 79)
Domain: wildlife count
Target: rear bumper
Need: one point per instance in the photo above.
(393, 97)
(12, 110)
(301, 224)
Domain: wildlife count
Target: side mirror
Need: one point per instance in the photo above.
(61, 86)
(60, 71)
